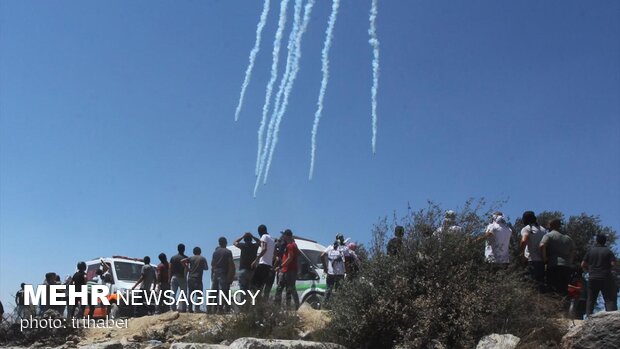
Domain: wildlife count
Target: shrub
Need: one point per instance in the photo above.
(263, 320)
(438, 290)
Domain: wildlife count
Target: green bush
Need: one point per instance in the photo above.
(437, 290)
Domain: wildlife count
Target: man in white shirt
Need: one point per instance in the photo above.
(497, 238)
(334, 265)
(263, 262)
(531, 236)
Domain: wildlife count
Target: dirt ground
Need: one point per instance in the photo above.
(173, 326)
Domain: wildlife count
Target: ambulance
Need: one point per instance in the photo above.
(124, 272)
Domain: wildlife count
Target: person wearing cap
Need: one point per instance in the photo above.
(497, 242)
(448, 226)
(531, 236)
(395, 245)
(288, 271)
(599, 262)
(558, 251)
(334, 265)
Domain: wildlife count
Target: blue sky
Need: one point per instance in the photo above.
(117, 132)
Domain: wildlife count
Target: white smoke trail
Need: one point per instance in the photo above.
(374, 43)
(253, 53)
(281, 110)
(274, 74)
(325, 69)
(283, 82)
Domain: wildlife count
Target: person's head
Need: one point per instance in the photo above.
(81, 266)
(99, 272)
(601, 239)
(163, 258)
(352, 246)
(399, 231)
(555, 224)
(449, 218)
(23, 285)
(181, 248)
(529, 218)
(288, 235)
(495, 215)
(500, 220)
(340, 239)
(222, 241)
(57, 278)
(197, 251)
(262, 230)
(247, 237)
(147, 260)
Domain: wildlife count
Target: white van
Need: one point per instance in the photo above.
(311, 282)
(124, 272)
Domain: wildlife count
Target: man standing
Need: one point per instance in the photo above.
(531, 236)
(196, 265)
(79, 280)
(288, 270)
(19, 302)
(558, 251)
(395, 245)
(497, 239)
(248, 248)
(599, 261)
(147, 280)
(263, 262)
(222, 267)
(448, 225)
(333, 259)
(178, 280)
(163, 280)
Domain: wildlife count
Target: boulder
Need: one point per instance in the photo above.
(197, 346)
(601, 330)
(498, 341)
(104, 345)
(258, 343)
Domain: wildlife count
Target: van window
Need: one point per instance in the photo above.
(315, 257)
(91, 271)
(127, 271)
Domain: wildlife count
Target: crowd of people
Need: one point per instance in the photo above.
(265, 261)
(550, 254)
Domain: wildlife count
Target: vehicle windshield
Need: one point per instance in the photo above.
(314, 257)
(127, 271)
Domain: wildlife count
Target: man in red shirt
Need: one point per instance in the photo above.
(288, 271)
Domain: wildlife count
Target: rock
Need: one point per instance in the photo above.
(104, 345)
(601, 330)
(258, 343)
(154, 344)
(498, 341)
(197, 346)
